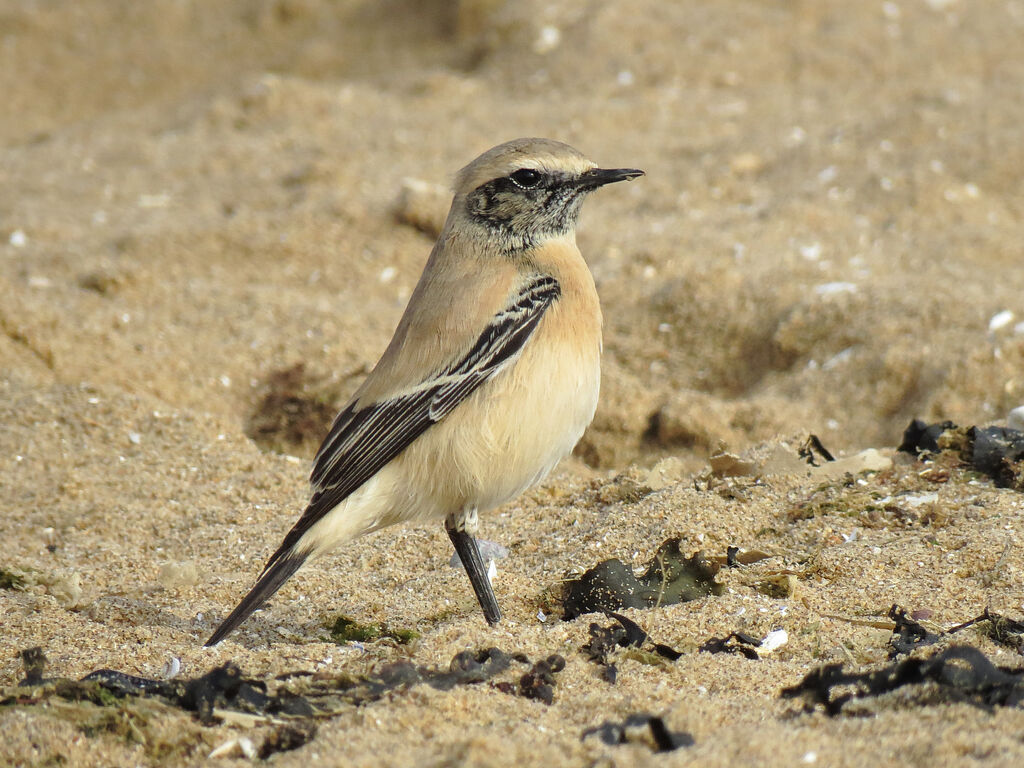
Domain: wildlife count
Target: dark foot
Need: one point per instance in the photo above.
(469, 553)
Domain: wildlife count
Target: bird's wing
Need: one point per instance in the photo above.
(366, 437)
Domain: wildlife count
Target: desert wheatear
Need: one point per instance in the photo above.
(489, 381)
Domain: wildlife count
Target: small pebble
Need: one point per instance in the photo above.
(423, 206)
(1015, 419)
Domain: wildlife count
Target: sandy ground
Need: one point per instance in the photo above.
(197, 197)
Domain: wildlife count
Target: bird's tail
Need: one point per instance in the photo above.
(278, 571)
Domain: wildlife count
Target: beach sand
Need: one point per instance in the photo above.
(205, 245)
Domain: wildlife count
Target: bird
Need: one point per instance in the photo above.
(490, 379)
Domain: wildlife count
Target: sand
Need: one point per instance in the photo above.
(198, 197)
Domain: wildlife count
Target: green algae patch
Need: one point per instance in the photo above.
(347, 630)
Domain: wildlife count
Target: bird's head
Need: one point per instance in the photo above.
(523, 192)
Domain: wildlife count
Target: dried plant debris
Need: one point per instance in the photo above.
(222, 687)
(670, 578)
(921, 438)
(34, 661)
(539, 682)
(287, 737)
(1005, 631)
(626, 633)
(225, 690)
(11, 579)
(812, 450)
(730, 556)
(735, 642)
(997, 452)
(908, 634)
(957, 674)
(466, 668)
(113, 703)
(638, 728)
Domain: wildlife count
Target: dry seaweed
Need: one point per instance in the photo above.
(613, 733)
(996, 452)
(226, 688)
(908, 634)
(670, 578)
(626, 633)
(223, 687)
(813, 445)
(957, 674)
(734, 642)
(287, 737)
(920, 438)
(11, 580)
(1001, 629)
(539, 682)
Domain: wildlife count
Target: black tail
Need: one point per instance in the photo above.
(277, 573)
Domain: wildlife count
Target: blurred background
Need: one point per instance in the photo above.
(224, 206)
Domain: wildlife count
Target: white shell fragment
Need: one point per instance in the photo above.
(171, 669)
(773, 641)
(241, 747)
(1000, 320)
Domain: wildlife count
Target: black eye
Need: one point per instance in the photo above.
(527, 178)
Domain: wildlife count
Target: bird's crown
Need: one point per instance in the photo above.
(545, 155)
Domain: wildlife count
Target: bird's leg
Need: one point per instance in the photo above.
(469, 553)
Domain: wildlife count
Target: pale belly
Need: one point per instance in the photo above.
(506, 437)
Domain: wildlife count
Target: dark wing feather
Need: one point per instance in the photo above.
(362, 441)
